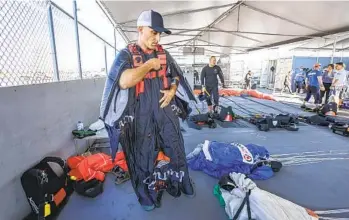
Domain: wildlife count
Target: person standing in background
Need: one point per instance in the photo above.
(327, 79)
(339, 81)
(314, 84)
(294, 73)
(248, 77)
(299, 78)
(209, 81)
(196, 76)
(287, 83)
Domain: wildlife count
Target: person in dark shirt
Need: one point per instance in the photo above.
(314, 85)
(209, 81)
(248, 77)
(287, 84)
(140, 108)
(298, 81)
(196, 77)
(327, 79)
(330, 108)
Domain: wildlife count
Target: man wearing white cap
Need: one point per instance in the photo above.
(145, 93)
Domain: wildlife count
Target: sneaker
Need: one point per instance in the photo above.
(148, 207)
(194, 191)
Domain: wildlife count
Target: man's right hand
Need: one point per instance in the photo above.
(154, 63)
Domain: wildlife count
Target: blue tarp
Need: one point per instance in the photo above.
(218, 159)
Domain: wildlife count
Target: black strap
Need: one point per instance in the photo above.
(57, 160)
(246, 200)
(41, 206)
(248, 205)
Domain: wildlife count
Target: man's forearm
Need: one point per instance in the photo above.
(131, 77)
(320, 80)
(174, 86)
(334, 82)
(221, 77)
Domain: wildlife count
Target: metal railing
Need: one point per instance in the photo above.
(41, 43)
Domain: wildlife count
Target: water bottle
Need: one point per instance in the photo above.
(80, 126)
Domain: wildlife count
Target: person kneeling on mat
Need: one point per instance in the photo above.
(314, 84)
(209, 81)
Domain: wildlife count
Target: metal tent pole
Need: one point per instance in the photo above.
(105, 59)
(53, 43)
(334, 49)
(76, 25)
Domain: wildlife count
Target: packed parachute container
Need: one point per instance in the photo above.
(340, 127)
(221, 115)
(266, 122)
(242, 199)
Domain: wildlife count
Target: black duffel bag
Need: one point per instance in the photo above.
(47, 187)
(91, 188)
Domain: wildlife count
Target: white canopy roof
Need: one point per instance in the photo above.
(235, 27)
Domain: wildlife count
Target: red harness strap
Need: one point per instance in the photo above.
(138, 61)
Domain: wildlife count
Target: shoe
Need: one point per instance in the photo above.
(194, 191)
(148, 207)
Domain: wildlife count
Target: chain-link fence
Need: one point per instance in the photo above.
(28, 47)
(24, 43)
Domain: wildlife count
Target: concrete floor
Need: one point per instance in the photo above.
(317, 178)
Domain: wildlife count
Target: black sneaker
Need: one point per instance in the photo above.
(194, 191)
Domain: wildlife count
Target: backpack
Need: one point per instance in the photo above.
(221, 112)
(196, 121)
(89, 189)
(47, 187)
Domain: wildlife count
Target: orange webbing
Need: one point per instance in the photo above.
(137, 61)
(59, 196)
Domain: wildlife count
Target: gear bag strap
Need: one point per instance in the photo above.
(247, 202)
(138, 59)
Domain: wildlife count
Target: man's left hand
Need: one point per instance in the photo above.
(166, 99)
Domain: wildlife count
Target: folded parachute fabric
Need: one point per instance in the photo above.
(94, 166)
(244, 200)
(218, 159)
(240, 92)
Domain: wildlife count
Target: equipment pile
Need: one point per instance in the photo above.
(221, 115)
(265, 122)
(338, 124)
